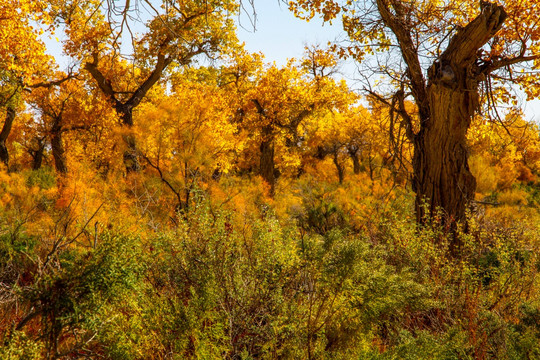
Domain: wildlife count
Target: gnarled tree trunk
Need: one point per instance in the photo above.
(442, 179)
(441, 172)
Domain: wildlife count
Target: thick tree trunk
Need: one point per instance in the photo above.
(442, 179)
(267, 166)
(6, 130)
(57, 146)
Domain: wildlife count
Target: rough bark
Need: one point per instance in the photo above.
(267, 165)
(6, 130)
(442, 179)
(441, 170)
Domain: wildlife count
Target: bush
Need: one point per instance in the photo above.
(226, 284)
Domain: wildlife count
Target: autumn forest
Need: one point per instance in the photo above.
(167, 194)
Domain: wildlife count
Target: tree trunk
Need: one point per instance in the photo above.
(339, 167)
(267, 166)
(6, 129)
(353, 153)
(442, 179)
(131, 154)
(37, 155)
(57, 147)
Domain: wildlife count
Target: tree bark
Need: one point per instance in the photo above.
(442, 179)
(57, 146)
(6, 130)
(267, 165)
(441, 171)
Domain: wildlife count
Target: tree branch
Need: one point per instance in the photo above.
(400, 98)
(463, 46)
(509, 61)
(260, 109)
(169, 185)
(398, 25)
(50, 84)
(103, 83)
(162, 62)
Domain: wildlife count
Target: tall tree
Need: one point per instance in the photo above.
(22, 58)
(281, 100)
(187, 141)
(177, 32)
(449, 52)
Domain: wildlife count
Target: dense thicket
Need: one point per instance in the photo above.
(153, 206)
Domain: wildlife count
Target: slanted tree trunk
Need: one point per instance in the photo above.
(339, 166)
(6, 130)
(57, 146)
(267, 164)
(442, 179)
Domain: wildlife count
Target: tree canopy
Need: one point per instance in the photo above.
(165, 193)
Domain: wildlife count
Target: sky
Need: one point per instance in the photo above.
(279, 36)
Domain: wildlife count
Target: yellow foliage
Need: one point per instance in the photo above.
(513, 197)
(486, 175)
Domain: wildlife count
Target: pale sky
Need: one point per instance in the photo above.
(279, 36)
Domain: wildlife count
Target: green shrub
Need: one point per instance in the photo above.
(44, 178)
